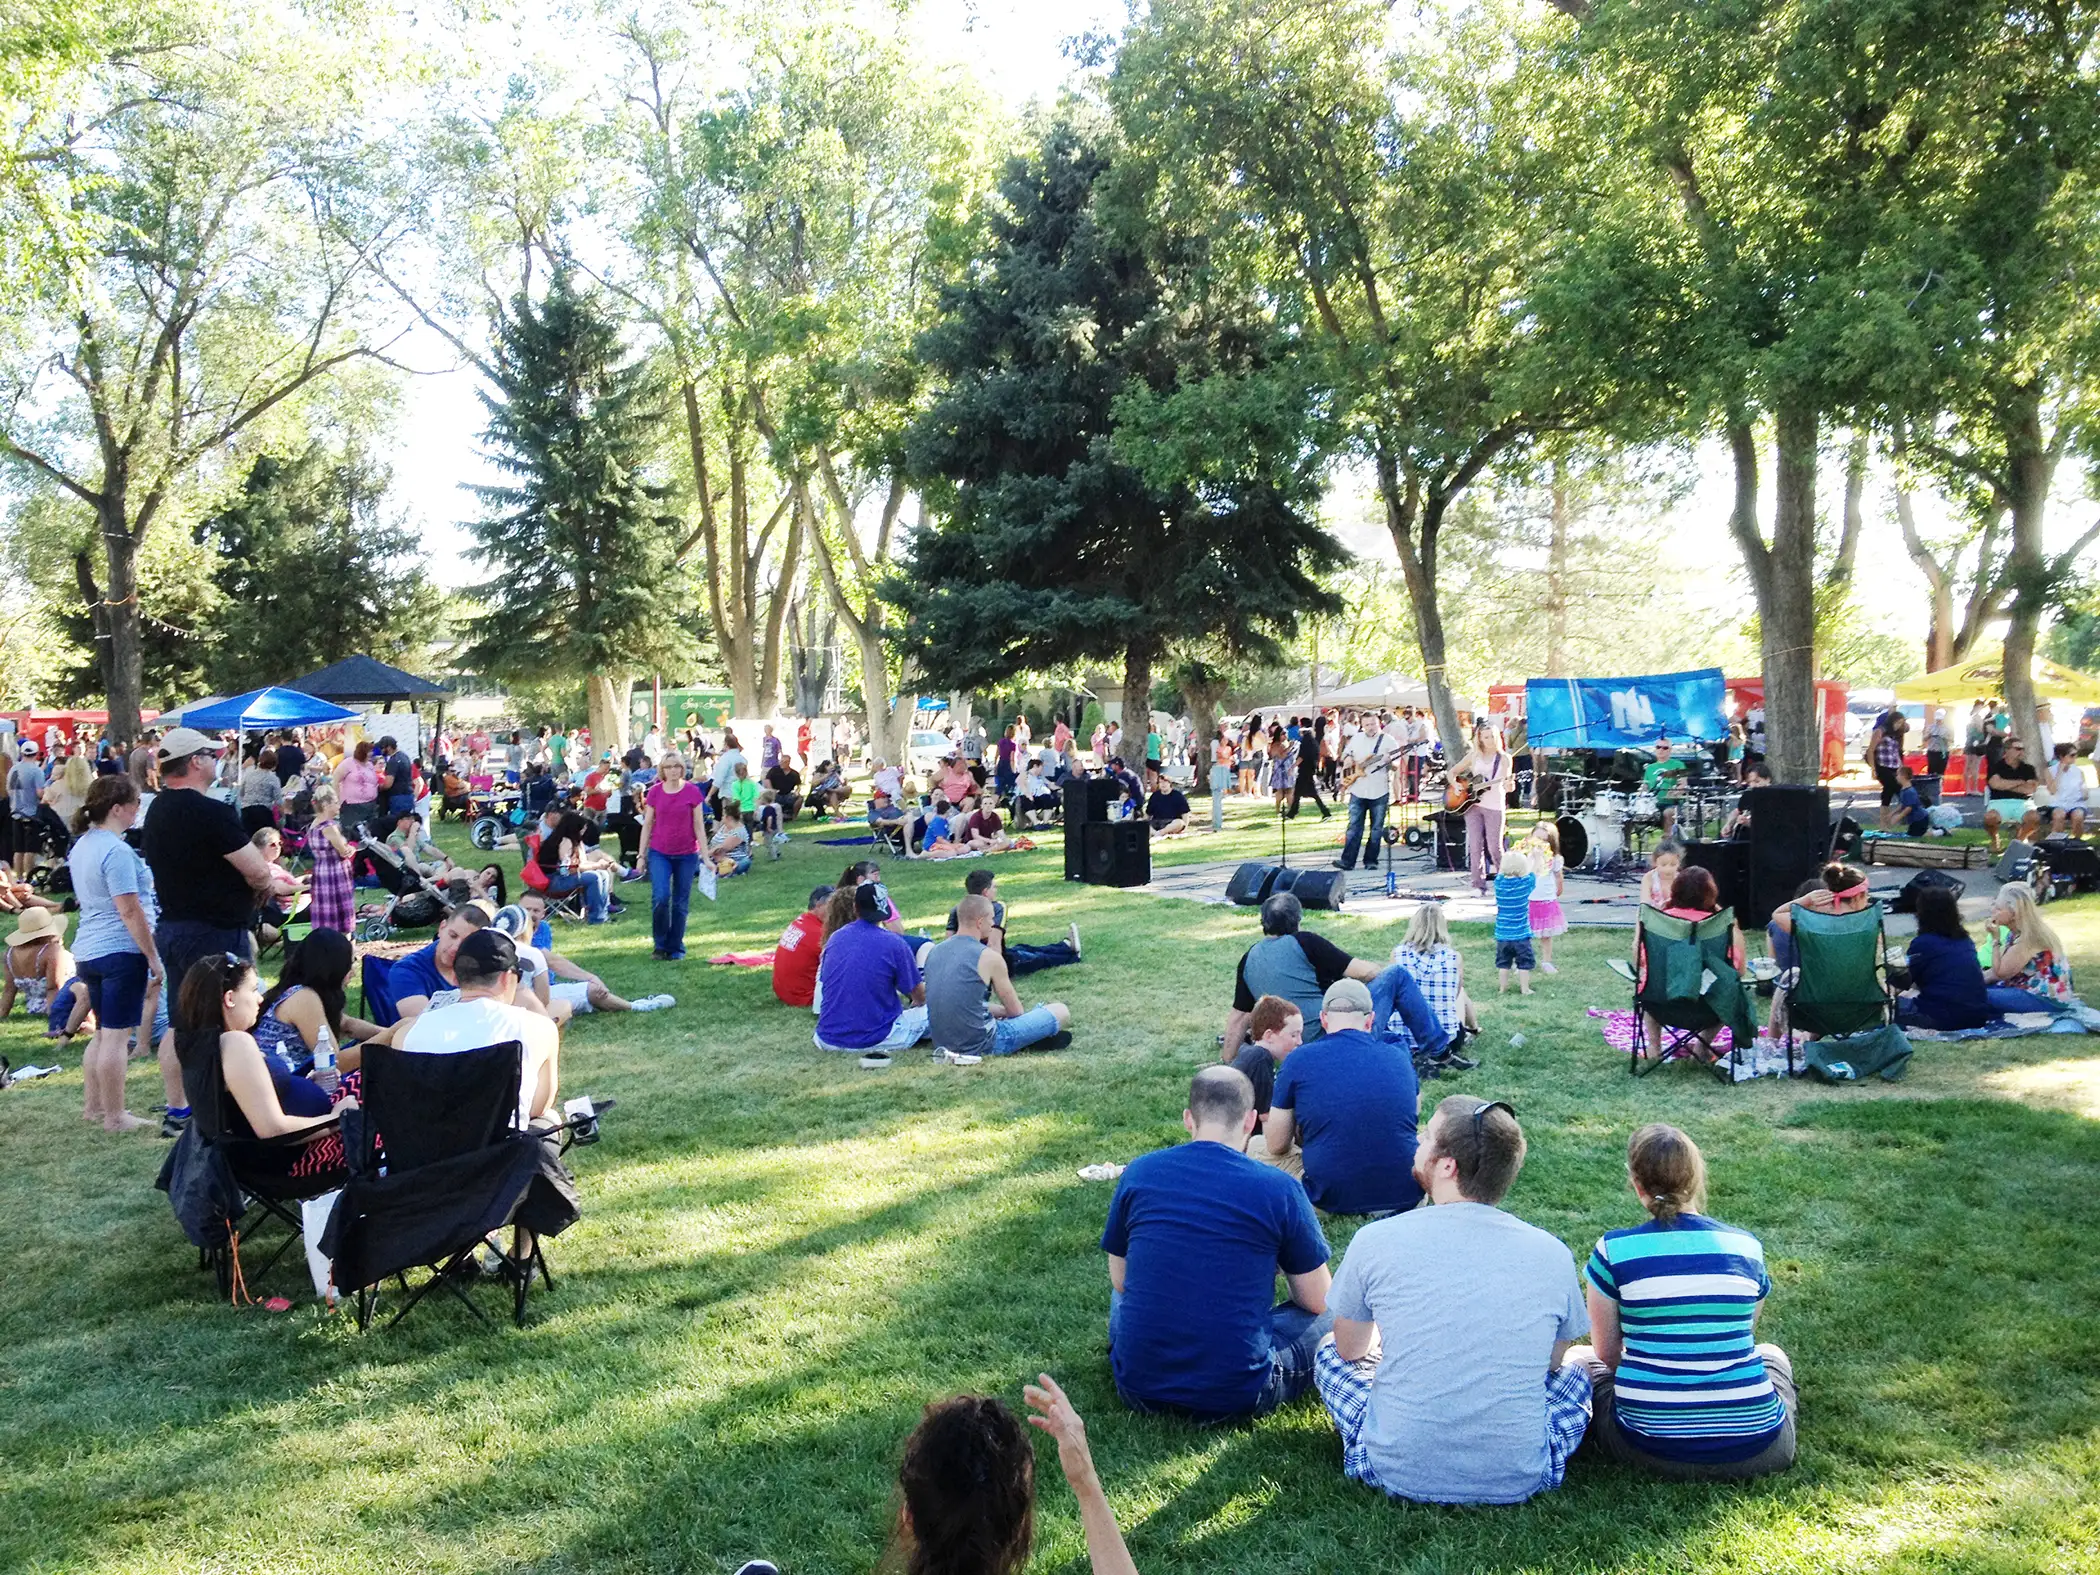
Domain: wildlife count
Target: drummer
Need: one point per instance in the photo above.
(1664, 777)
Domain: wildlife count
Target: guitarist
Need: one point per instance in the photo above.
(1483, 776)
(1368, 760)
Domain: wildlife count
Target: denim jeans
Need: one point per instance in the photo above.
(671, 877)
(1359, 809)
(1022, 959)
(1220, 785)
(1033, 1026)
(1294, 1338)
(590, 882)
(1395, 990)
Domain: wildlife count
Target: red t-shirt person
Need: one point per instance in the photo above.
(795, 960)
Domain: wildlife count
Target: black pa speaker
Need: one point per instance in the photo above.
(1118, 852)
(1075, 848)
(2070, 865)
(1906, 900)
(1729, 864)
(1789, 842)
(1089, 798)
(1450, 840)
(1317, 888)
(1251, 884)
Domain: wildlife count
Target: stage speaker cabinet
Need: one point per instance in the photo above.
(1318, 888)
(1251, 884)
(1089, 798)
(1729, 864)
(1075, 848)
(1789, 841)
(1118, 852)
(1450, 840)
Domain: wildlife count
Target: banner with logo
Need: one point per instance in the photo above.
(1611, 713)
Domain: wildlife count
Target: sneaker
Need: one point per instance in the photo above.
(655, 1003)
(1452, 1061)
(1072, 940)
(635, 874)
(876, 1060)
(171, 1124)
(758, 1567)
(1056, 1041)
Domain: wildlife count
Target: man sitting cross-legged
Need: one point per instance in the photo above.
(868, 984)
(1020, 958)
(971, 1007)
(1299, 965)
(1167, 807)
(1195, 1238)
(1350, 1101)
(1471, 1403)
(1274, 1029)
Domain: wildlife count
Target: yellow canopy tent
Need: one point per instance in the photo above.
(1982, 677)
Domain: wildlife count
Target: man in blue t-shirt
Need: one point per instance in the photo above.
(1351, 1101)
(1907, 807)
(1194, 1239)
(870, 998)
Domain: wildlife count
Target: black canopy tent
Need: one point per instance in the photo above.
(364, 680)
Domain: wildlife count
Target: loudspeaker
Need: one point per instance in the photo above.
(1728, 863)
(1906, 900)
(1317, 888)
(1118, 852)
(1250, 884)
(1789, 842)
(1450, 840)
(1075, 845)
(1089, 798)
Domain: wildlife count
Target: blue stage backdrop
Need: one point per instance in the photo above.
(1603, 713)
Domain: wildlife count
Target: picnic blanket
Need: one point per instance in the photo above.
(762, 959)
(2080, 1019)
(1622, 1031)
(845, 842)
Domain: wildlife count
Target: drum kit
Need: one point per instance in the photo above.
(1606, 827)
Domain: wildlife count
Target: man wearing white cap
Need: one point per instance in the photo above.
(25, 796)
(209, 876)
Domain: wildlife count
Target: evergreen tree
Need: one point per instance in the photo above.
(581, 550)
(1120, 454)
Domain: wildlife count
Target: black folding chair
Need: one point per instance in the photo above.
(443, 1167)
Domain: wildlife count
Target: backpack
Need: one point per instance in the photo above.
(1882, 1052)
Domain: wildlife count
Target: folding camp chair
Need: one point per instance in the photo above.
(1683, 978)
(1840, 983)
(444, 1165)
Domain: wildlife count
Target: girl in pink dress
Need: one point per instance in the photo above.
(333, 903)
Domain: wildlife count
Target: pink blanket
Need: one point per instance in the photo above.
(1622, 1031)
(762, 959)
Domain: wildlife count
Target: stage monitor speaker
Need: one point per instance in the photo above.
(1118, 852)
(1089, 798)
(1450, 840)
(1728, 863)
(1789, 841)
(1250, 884)
(1318, 888)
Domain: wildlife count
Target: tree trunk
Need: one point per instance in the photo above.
(1137, 694)
(1939, 630)
(608, 700)
(1847, 556)
(1418, 572)
(117, 623)
(1787, 604)
(1557, 574)
(1202, 700)
(2029, 467)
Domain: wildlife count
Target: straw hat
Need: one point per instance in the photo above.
(38, 924)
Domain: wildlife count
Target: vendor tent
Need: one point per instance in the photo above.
(1982, 677)
(1381, 689)
(264, 708)
(362, 680)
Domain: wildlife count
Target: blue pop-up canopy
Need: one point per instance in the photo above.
(266, 708)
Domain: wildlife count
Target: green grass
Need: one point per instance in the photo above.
(784, 1257)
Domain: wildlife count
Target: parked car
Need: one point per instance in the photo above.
(927, 750)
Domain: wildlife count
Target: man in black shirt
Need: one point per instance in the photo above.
(1167, 808)
(208, 876)
(786, 783)
(398, 785)
(2011, 798)
(291, 759)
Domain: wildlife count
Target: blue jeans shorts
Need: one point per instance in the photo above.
(1018, 1033)
(116, 986)
(1515, 954)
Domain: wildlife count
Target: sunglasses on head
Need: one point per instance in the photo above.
(1480, 1112)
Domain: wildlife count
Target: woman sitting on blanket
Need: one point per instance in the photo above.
(1948, 991)
(2026, 953)
(1693, 896)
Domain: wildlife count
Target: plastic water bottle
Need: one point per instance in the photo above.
(324, 1071)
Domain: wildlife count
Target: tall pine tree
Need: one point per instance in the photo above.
(580, 550)
(1120, 462)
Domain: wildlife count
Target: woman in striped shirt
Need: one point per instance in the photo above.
(1680, 1384)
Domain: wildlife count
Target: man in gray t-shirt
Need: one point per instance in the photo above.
(25, 795)
(1444, 1372)
(971, 1007)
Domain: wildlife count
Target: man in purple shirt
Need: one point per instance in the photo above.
(870, 997)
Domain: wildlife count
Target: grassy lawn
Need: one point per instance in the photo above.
(783, 1257)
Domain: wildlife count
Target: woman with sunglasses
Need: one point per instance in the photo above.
(234, 1089)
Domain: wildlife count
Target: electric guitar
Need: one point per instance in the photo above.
(1376, 760)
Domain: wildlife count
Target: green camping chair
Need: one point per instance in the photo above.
(1841, 983)
(1682, 977)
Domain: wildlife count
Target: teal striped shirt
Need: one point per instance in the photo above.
(1690, 1384)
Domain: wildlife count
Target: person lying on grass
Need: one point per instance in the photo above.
(1447, 1374)
(1020, 958)
(564, 987)
(1680, 1385)
(971, 1007)
(967, 1489)
(1195, 1237)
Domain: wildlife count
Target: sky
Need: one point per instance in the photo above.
(1016, 49)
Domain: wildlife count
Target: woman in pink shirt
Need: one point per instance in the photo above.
(673, 828)
(357, 785)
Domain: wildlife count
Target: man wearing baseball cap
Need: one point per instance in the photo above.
(486, 1013)
(25, 796)
(872, 999)
(209, 876)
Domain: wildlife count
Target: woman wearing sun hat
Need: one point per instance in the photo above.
(39, 967)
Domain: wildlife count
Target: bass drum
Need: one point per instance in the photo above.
(1607, 838)
(1574, 841)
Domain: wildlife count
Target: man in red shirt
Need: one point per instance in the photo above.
(795, 958)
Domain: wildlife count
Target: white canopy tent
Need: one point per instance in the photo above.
(1381, 689)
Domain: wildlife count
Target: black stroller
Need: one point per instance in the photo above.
(415, 902)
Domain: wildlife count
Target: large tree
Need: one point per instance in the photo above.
(580, 547)
(1105, 498)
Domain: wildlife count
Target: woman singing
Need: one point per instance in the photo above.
(1489, 762)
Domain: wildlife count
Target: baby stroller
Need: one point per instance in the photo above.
(415, 902)
(55, 841)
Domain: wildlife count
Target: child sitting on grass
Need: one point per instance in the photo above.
(1513, 889)
(1663, 865)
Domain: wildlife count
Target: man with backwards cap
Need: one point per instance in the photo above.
(487, 1013)
(872, 995)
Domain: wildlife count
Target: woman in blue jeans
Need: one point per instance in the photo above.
(673, 831)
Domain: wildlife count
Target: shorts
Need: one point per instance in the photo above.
(908, 1030)
(1515, 954)
(116, 986)
(574, 991)
(1010, 1034)
(28, 836)
(2012, 809)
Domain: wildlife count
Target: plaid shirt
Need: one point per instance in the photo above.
(1888, 753)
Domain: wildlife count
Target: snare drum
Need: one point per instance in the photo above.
(1607, 837)
(1614, 805)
